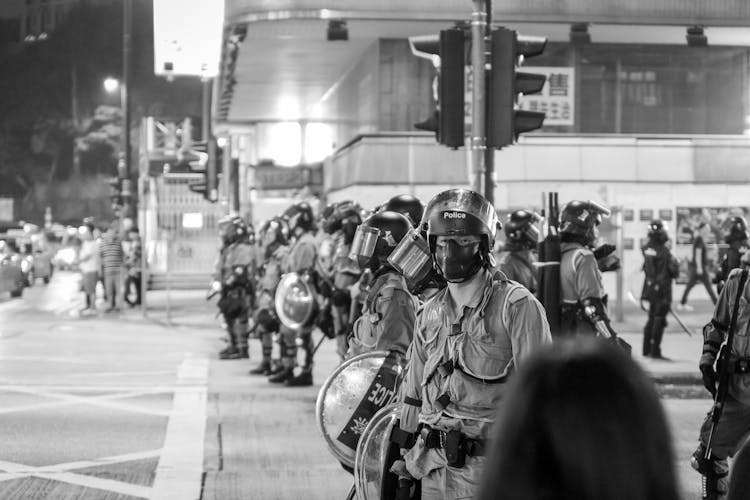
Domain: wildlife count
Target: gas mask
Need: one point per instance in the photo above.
(458, 259)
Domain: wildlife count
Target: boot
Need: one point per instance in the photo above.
(276, 367)
(658, 332)
(231, 352)
(244, 352)
(264, 368)
(284, 375)
(301, 380)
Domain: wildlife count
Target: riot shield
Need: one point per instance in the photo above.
(294, 300)
(351, 395)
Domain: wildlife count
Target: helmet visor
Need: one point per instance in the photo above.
(599, 209)
(363, 245)
(412, 258)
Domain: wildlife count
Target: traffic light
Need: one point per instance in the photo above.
(115, 194)
(504, 122)
(204, 157)
(447, 121)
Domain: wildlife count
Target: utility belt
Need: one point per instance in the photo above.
(456, 444)
(738, 365)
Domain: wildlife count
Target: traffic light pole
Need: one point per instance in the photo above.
(478, 137)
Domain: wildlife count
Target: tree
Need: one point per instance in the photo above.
(56, 121)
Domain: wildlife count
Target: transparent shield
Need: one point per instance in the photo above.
(351, 395)
(372, 452)
(364, 243)
(412, 258)
(294, 301)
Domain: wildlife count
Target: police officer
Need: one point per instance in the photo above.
(273, 247)
(736, 236)
(389, 310)
(405, 204)
(661, 268)
(467, 342)
(342, 222)
(237, 293)
(584, 300)
(734, 423)
(300, 259)
(518, 259)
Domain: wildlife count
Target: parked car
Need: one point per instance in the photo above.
(12, 278)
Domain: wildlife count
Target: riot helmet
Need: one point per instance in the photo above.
(658, 232)
(470, 222)
(406, 204)
(300, 216)
(579, 221)
(521, 230)
(275, 231)
(376, 238)
(735, 230)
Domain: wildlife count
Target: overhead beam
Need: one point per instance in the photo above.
(645, 12)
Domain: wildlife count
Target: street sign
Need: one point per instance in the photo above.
(272, 177)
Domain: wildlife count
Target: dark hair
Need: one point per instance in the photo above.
(580, 422)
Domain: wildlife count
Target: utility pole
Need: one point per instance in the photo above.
(123, 165)
(489, 153)
(478, 139)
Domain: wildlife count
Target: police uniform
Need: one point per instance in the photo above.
(388, 316)
(457, 369)
(580, 279)
(345, 275)
(462, 352)
(660, 268)
(518, 265)
(300, 259)
(237, 254)
(265, 313)
(734, 424)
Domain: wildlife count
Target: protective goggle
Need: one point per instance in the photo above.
(412, 258)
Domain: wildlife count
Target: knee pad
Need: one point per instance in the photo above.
(341, 298)
(268, 320)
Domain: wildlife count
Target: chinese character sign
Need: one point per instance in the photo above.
(557, 98)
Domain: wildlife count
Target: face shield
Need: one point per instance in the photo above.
(363, 245)
(411, 258)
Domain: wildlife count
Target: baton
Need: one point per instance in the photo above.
(315, 349)
(679, 321)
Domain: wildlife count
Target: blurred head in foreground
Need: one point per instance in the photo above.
(581, 422)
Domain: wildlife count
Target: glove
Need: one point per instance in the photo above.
(709, 378)
(604, 250)
(325, 288)
(608, 263)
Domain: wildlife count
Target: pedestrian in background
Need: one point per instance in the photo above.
(89, 264)
(697, 268)
(580, 421)
(110, 251)
(133, 254)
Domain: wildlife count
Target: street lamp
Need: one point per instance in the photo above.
(111, 84)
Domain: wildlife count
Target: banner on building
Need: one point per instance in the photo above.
(557, 98)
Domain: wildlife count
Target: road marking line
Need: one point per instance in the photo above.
(104, 400)
(180, 468)
(97, 462)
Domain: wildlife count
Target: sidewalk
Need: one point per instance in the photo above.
(683, 350)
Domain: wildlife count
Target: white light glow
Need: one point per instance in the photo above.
(282, 142)
(111, 84)
(318, 141)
